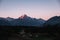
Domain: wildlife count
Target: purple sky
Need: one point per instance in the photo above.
(33, 8)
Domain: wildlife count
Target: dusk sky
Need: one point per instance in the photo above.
(33, 8)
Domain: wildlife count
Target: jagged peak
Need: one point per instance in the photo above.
(23, 16)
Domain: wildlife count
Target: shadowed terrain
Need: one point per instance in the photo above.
(49, 31)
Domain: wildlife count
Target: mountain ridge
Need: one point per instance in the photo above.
(25, 21)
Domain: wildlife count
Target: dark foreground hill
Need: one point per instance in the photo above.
(29, 33)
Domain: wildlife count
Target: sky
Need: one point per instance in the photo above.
(34, 8)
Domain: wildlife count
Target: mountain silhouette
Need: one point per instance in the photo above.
(23, 21)
(9, 18)
(4, 22)
(53, 21)
(28, 21)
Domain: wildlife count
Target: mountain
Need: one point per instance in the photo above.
(24, 16)
(42, 20)
(9, 18)
(22, 21)
(4, 22)
(27, 21)
(54, 21)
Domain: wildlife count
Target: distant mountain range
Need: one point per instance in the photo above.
(28, 21)
(21, 21)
